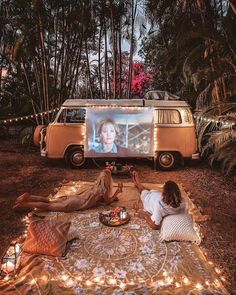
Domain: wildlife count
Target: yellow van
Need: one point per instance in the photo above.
(160, 130)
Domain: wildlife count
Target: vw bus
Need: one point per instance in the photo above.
(160, 130)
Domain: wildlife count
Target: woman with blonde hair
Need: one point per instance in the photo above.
(108, 131)
(101, 191)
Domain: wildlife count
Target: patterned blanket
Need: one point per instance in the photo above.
(128, 259)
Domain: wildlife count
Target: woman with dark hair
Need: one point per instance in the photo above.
(101, 191)
(157, 204)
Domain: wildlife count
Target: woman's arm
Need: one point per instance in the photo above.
(146, 216)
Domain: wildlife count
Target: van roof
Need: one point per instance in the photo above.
(124, 103)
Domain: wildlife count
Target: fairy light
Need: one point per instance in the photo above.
(122, 285)
(207, 283)
(27, 117)
(88, 283)
(65, 277)
(217, 270)
(169, 280)
(6, 278)
(186, 281)
(198, 286)
(97, 279)
(70, 283)
(165, 274)
(177, 285)
(223, 279)
(44, 278)
(112, 281)
(131, 282)
(32, 282)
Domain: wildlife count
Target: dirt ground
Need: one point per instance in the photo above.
(22, 169)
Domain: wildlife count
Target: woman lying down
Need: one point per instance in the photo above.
(101, 191)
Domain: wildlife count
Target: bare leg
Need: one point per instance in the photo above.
(137, 182)
(51, 206)
(26, 197)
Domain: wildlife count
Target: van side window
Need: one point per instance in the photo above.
(72, 116)
(168, 117)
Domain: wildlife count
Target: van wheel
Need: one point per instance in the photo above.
(166, 160)
(75, 157)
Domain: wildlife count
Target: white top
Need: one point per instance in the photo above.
(153, 203)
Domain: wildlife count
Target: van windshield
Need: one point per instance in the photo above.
(72, 116)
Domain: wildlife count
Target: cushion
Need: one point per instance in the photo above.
(179, 227)
(47, 237)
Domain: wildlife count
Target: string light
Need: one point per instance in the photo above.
(186, 281)
(88, 283)
(177, 285)
(224, 122)
(217, 270)
(112, 281)
(65, 277)
(27, 117)
(122, 285)
(198, 286)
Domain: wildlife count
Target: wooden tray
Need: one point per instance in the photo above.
(104, 219)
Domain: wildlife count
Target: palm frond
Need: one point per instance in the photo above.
(226, 156)
(218, 140)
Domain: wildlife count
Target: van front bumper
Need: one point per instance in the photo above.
(195, 156)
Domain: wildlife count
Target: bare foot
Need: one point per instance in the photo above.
(22, 198)
(120, 187)
(136, 178)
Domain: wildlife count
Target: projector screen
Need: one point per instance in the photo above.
(119, 132)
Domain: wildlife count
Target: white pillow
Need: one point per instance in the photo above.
(179, 227)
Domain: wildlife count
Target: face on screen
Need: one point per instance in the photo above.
(119, 132)
(108, 133)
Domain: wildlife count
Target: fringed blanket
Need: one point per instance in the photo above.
(124, 260)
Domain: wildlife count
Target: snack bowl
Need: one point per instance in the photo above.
(107, 219)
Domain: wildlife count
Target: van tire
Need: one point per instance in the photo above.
(166, 161)
(37, 135)
(75, 157)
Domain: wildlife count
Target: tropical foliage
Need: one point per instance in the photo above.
(53, 50)
(217, 136)
(192, 50)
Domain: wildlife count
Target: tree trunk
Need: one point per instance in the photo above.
(120, 64)
(88, 69)
(99, 62)
(30, 91)
(133, 15)
(114, 50)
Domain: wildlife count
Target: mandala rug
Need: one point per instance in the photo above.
(128, 259)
